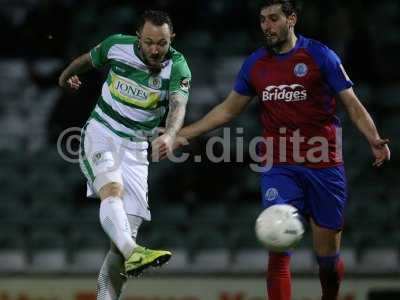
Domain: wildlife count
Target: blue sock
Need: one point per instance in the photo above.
(328, 262)
(331, 272)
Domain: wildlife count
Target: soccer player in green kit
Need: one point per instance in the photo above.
(146, 74)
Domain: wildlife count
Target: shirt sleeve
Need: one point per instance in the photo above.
(242, 83)
(334, 73)
(99, 54)
(180, 76)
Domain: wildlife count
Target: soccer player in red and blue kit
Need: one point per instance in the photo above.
(297, 81)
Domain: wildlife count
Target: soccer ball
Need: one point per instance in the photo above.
(279, 227)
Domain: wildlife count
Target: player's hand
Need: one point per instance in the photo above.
(72, 82)
(381, 151)
(179, 141)
(161, 146)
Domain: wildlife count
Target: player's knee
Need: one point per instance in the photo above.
(327, 244)
(326, 241)
(325, 250)
(112, 189)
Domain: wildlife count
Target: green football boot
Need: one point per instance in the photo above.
(143, 258)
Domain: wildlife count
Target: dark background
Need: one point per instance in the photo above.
(198, 206)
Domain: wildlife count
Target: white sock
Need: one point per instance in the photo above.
(110, 283)
(115, 223)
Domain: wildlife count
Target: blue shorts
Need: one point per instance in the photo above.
(317, 193)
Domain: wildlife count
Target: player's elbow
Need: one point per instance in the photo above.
(83, 63)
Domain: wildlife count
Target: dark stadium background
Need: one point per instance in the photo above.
(203, 210)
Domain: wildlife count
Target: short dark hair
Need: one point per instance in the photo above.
(289, 7)
(157, 17)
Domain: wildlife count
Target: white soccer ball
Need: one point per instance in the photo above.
(279, 227)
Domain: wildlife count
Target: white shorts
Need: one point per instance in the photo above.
(106, 157)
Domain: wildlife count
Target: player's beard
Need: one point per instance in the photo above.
(277, 45)
(155, 65)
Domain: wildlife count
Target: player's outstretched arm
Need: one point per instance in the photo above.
(360, 116)
(176, 115)
(221, 114)
(69, 77)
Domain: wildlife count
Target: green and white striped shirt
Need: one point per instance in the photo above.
(132, 101)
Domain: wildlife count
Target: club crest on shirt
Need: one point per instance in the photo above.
(97, 158)
(185, 84)
(300, 70)
(271, 194)
(155, 82)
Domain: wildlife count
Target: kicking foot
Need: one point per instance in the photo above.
(143, 258)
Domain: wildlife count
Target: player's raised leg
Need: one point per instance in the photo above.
(135, 200)
(115, 223)
(114, 220)
(101, 158)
